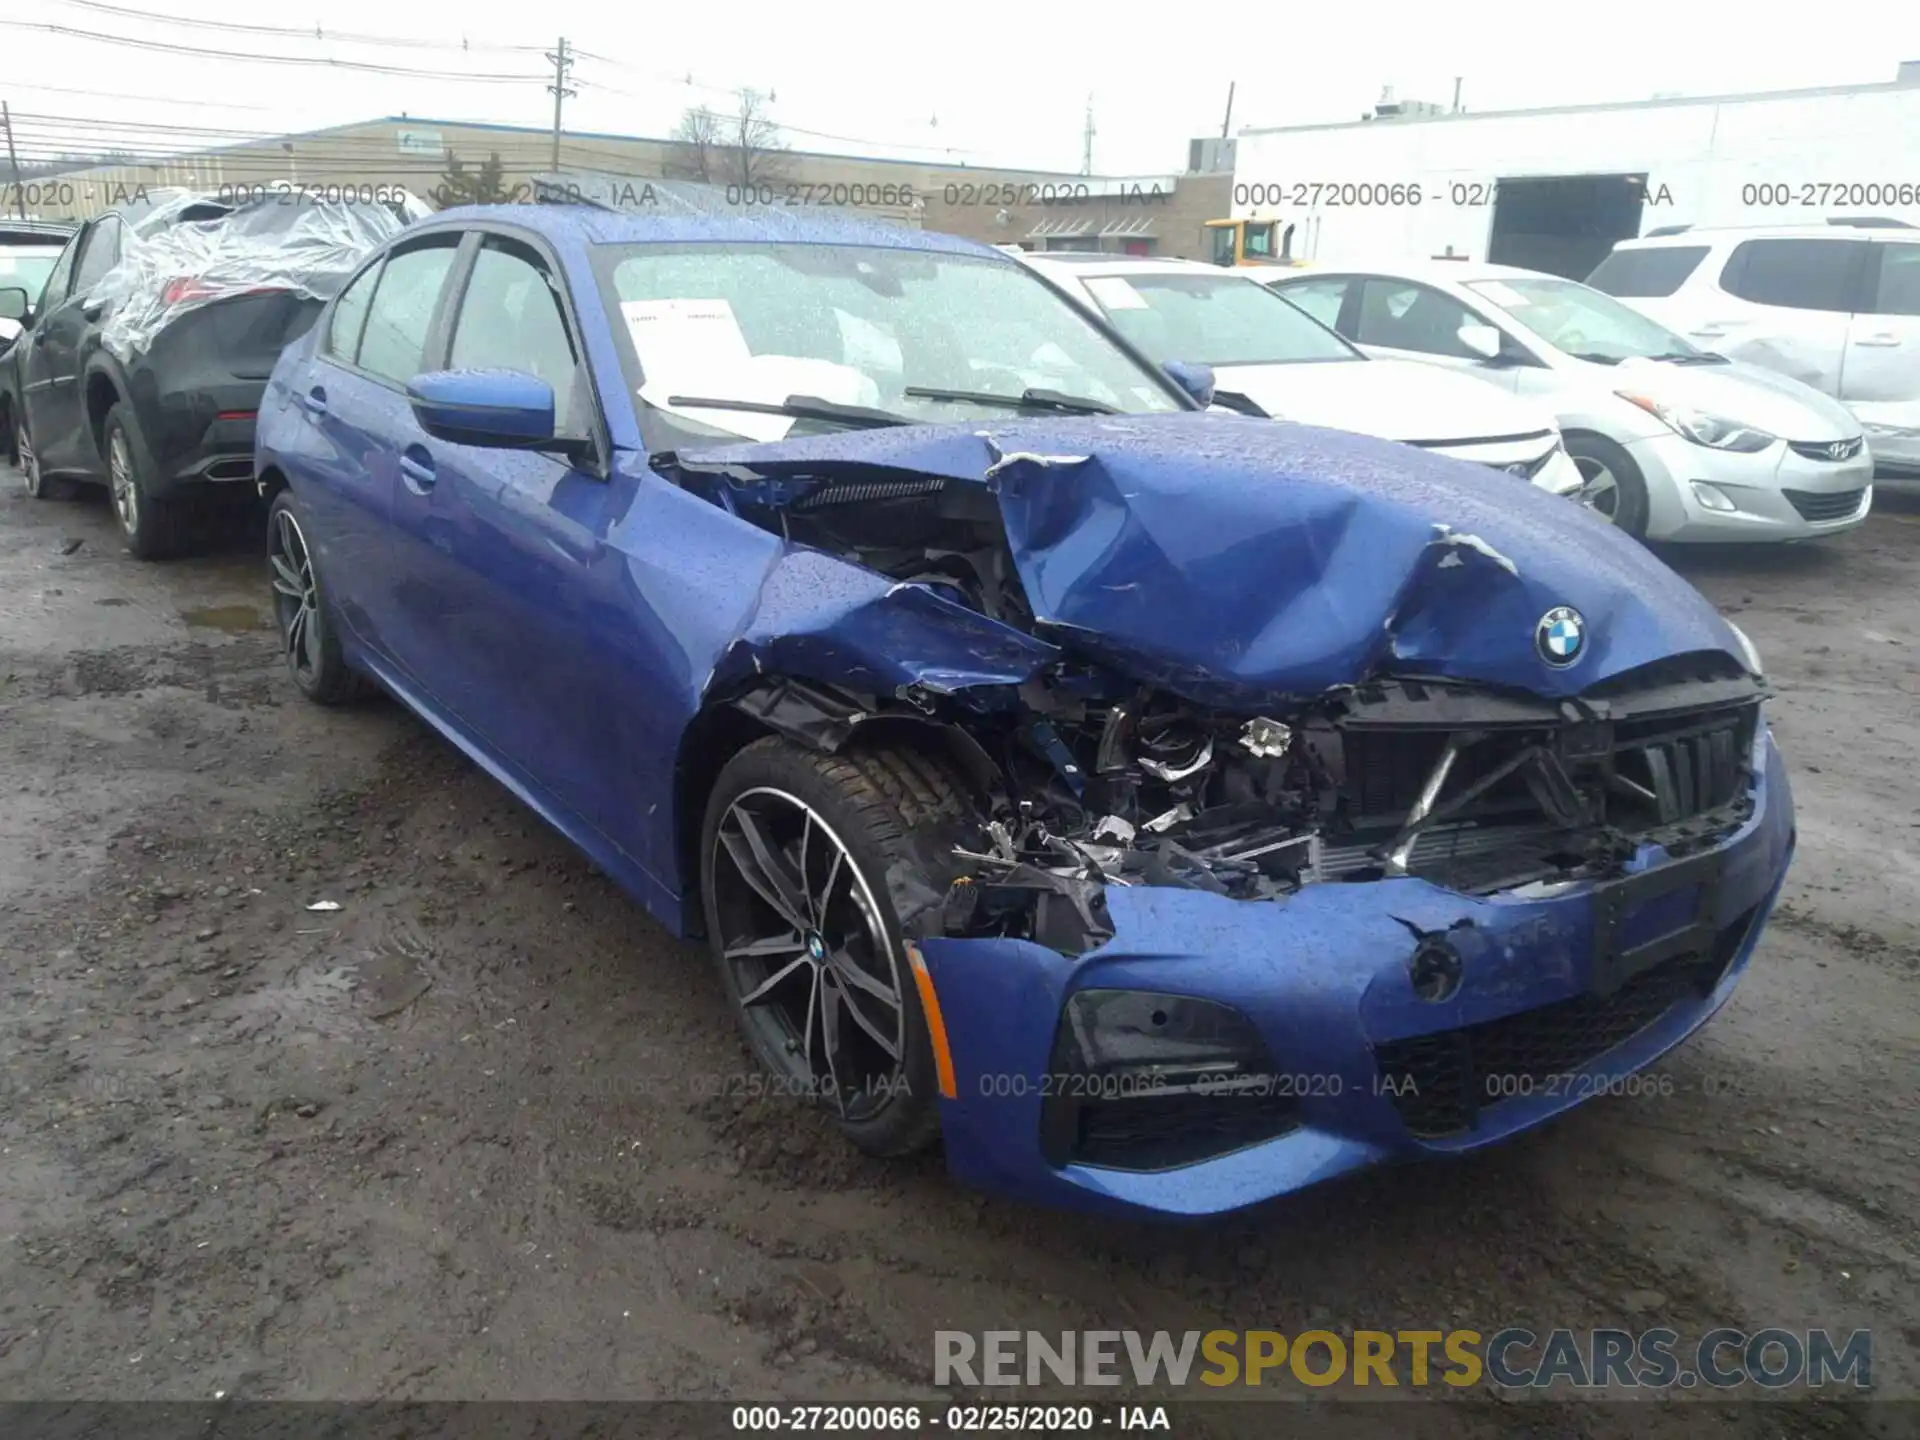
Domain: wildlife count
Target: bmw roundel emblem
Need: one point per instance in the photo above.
(1561, 636)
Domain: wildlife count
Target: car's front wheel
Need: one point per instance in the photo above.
(31, 475)
(151, 525)
(307, 640)
(1611, 484)
(795, 853)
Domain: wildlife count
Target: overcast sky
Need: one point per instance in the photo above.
(984, 84)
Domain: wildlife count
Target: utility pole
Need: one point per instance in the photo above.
(1227, 123)
(1086, 144)
(1456, 93)
(562, 63)
(19, 191)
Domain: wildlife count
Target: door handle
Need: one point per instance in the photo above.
(1881, 340)
(315, 400)
(416, 467)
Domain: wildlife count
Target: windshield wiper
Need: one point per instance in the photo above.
(800, 407)
(1691, 357)
(1025, 400)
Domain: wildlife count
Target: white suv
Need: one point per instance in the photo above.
(1836, 307)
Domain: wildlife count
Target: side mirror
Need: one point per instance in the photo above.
(503, 409)
(15, 304)
(1195, 379)
(1483, 340)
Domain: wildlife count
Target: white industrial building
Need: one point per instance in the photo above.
(1553, 189)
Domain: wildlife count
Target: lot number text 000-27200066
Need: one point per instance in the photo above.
(1377, 194)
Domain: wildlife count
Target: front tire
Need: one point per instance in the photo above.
(38, 486)
(150, 524)
(795, 855)
(307, 641)
(1611, 483)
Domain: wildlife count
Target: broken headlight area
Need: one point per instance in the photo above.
(1474, 791)
(1142, 1081)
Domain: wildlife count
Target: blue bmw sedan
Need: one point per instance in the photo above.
(1163, 809)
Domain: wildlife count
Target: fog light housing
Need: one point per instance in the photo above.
(1145, 1081)
(1712, 497)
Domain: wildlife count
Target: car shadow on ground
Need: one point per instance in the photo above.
(225, 526)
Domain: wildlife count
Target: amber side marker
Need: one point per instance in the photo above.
(936, 1026)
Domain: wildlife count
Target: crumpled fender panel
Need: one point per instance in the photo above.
(825, 619)
(1242, 561)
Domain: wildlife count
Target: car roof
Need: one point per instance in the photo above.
(1431, 272)
(1854, 229)
(36, 232)
(599, 225)
(1089, 263)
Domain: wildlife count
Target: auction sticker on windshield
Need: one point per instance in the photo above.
(685, 334)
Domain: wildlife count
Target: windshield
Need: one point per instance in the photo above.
(1212, 320)
(1581, 321)
(27, 267)
(856, 325)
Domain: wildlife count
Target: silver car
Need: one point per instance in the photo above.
(1675, 443)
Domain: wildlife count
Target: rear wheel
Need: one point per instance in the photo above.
(796, 850)
(307, 640)
(1611, 484)
(151, 525)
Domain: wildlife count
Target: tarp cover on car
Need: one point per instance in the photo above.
(199, 249)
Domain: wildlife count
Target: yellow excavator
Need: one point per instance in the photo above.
(1251, 242)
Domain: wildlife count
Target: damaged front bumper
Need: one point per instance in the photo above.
(1399, 1020)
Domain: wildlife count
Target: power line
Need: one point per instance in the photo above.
(325, 61)
(298, 32)
(571, 53)
(196, 103)
(74, 129)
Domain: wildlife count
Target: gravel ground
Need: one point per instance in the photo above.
(481, 1132)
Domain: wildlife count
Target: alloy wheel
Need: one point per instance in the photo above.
(818, 979)
(296, 600)
(29, 462)
(126, 495)
(1600, 488)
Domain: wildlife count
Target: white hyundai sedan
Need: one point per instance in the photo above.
(1295, 368)
(1673, 442)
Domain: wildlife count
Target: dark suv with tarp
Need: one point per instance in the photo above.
(149, 347)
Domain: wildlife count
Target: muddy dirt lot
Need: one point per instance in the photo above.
(461, 1138)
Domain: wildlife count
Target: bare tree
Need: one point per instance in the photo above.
(743, 148)
(758, 152)
(697, 140)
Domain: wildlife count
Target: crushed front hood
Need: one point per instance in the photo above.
(1241, 563)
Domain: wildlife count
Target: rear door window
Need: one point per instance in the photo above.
(350, 316)
(1795, 274)
(61, 278)
(1896, 289)
(98, 255)
(394, 343)
(1400, 315)
(1650, 274)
